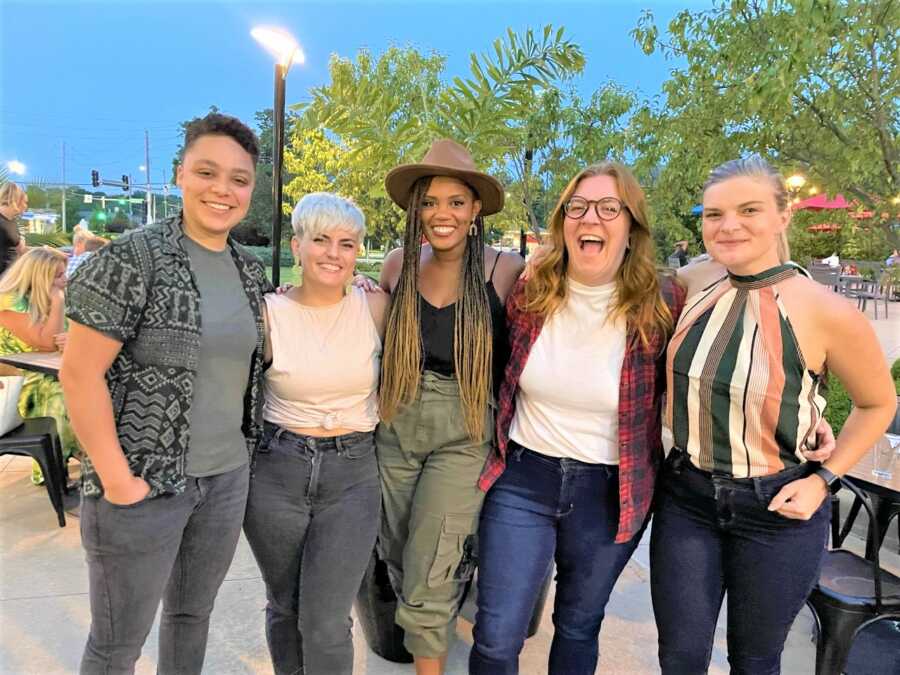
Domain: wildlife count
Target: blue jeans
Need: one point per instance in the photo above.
(312, 517)
(540, 510)
(713, 535)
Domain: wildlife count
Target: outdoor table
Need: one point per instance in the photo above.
(47, 363)
(885, 493)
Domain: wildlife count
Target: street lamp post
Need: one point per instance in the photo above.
(285, 49)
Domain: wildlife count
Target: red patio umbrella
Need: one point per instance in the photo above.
(821, 202)
(824, 227)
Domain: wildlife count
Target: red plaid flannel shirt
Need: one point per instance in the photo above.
(641, 389)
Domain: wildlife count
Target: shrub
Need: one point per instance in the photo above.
(52, 239)
(839, 404)
(264, 253)
(371, 269)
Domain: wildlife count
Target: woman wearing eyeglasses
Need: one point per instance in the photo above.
(578, 426)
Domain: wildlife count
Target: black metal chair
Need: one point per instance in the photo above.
(37, 438)
(826, 275)
(862, 291)
(852, 593)
(885, 510)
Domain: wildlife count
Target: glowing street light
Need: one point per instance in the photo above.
(286, 51)
(15, 166)
(280, 44)
(796, 182)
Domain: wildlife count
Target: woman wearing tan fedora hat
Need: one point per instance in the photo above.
(444, 352)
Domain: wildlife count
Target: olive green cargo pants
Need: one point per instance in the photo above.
(429, 474)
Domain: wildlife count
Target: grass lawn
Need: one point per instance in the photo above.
(291, 275)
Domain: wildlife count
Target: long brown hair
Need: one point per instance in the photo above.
(637, 296)
(401, 365)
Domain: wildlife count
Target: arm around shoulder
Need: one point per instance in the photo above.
(379, 306)
(509, 268)
(699, 275)
(390, 270)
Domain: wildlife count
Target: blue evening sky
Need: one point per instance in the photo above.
(95, 75)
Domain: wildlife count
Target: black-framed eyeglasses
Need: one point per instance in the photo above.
(607, 208)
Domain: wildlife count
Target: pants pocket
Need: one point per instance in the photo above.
(456, 551)
(360, 449)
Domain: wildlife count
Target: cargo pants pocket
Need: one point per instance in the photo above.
(456, 551)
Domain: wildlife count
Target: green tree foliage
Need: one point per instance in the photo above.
(377, 112)
(41, 197)
(812, 84)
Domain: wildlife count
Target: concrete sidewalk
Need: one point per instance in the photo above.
(44, 612)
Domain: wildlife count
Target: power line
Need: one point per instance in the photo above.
(137, 187)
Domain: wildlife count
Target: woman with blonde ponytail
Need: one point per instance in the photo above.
(443, 354)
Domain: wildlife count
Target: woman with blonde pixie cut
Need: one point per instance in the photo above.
(32, 303)
(578, 428)
(315, 497)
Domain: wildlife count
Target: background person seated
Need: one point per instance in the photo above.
(32, 299)
(83, 244)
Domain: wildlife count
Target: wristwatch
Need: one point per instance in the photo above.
(832, 480)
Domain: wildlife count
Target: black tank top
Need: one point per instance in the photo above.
(437, 333)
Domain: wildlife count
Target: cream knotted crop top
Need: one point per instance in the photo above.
(325, 364)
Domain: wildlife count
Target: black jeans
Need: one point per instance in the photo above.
(713, 535)
(540, 510)
(312, 517)
(174, 547)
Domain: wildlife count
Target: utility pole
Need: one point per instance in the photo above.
(147, 172)
(165, 195)
(64, 186)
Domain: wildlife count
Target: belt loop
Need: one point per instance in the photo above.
(339, 445)
(758, 489)
(278, 433)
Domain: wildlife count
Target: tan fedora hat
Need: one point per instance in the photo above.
(446, 158)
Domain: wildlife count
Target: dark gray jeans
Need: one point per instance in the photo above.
(174, 547)
(312, 518)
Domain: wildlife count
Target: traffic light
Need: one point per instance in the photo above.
(95, 178)
(125, 185)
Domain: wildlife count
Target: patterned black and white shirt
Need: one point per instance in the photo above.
(140, 291)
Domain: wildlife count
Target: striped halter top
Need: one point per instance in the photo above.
(741, 401)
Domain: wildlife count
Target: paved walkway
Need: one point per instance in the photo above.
(44, 615)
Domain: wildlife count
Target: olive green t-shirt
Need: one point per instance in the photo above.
(227, 341)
